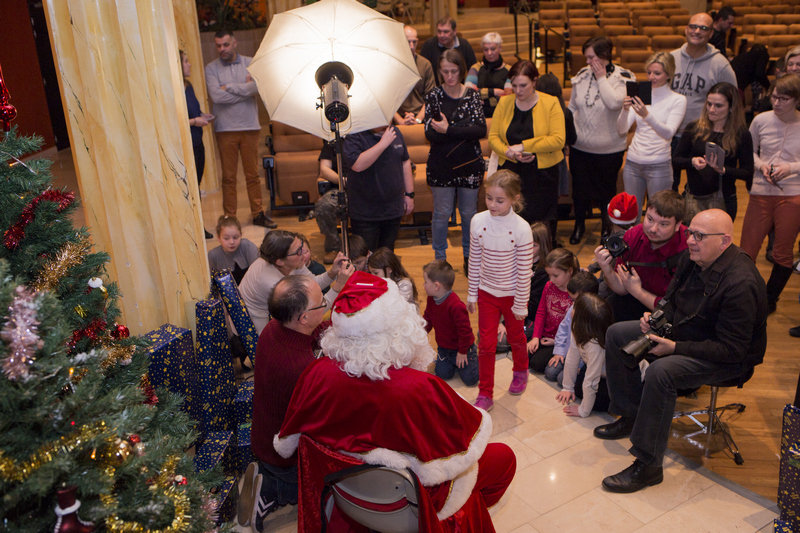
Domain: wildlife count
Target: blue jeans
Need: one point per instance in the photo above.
(652, 402)
(444, 199)
(651, 178)
(278, 485)
(446, 365)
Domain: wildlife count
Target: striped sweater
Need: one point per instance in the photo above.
(500, 258)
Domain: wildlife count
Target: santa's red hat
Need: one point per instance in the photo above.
(623, 209)
(367, 305)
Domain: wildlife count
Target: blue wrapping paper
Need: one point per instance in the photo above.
(779, 526)
(244, 454)
(217, 384)
(228, 496)
(789, 477)
(243, 404)
(229, 293)
(173, 365)
(212, 449)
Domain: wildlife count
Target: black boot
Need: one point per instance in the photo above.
(777, 281)
(606, 231)
(577, 233)
(554, 234)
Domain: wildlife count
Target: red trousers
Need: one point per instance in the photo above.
(489, 310)
(764, 212)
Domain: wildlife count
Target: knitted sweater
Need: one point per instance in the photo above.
(651, 142)
(595, 106)
(243, 257)
(283, 354)
(595, 358)
(450, 323)
(500, 258)
(775, 141)
(552, 308)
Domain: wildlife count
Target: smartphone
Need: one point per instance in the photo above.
(526, 153)
(715, 149)
(642, 89)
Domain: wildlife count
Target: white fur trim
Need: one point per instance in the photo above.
(459, 492)
(286, 446)
(377, 317)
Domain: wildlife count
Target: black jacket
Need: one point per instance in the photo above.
(731, 325)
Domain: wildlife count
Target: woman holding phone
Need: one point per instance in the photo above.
(711, 182)
(528, 135)
(648, 166)
(775, 194)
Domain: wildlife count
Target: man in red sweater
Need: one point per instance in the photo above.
(285, 348)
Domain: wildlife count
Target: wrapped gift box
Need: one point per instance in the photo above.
(789, 478)
(243, 404)
(225, 285)
(244, 455)
(212, 449)
(173, 365)
(780, 526)
(216, 384)
(227, 498)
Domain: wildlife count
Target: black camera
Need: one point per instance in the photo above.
(634, 351)
(615, 244)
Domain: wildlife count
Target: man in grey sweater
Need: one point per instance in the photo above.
(236, 125)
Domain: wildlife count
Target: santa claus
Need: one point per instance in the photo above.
(370, 398)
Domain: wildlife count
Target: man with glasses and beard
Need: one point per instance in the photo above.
(717, 306)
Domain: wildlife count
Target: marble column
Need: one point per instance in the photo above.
(441, 8)
(122, 90)
(189, 41)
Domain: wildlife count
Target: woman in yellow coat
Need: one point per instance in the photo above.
(527, 134)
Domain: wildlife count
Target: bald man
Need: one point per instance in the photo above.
(717, 337)
(698, 67)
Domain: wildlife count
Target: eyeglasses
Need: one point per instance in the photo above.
(300, 251)
(323, 306)
(697, 235)
(781, 99)
(695, 27)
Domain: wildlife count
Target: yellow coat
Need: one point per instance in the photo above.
(548, 129)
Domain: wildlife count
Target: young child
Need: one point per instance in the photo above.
(561, 265)
(359, 253)
(541, 247)
(385, 264)
(234, 253)
(314, 266)
(592, 317)
(500, 261)
(447, 315)
(581, 282)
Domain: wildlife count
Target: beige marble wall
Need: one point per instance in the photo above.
(189, 41)
(122, 90)
(441, 8)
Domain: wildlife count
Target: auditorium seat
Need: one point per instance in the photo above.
(666, 43)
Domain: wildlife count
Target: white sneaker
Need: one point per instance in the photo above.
(251, 489)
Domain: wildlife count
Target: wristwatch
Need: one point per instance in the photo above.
(409, 194)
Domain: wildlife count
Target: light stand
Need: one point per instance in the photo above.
(334, 79)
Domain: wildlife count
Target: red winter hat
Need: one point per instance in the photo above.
(623, 209)
(367, 305)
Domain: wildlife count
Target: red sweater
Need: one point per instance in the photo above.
(450, 321)
(282, 354)
(552, 308)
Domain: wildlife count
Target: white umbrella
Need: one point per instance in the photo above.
(299, 41)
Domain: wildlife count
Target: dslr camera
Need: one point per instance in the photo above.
(615, 244)
(634, 351)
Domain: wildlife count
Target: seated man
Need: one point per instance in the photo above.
(717, 305)
(285, 348)
(412, 110)
(371, 398)
(640, 276)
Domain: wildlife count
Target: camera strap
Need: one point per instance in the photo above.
(670, 263)
(714, 279)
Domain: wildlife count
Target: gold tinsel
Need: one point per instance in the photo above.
(117, 354)
(163, 482)
(11, 470)
(72, 254)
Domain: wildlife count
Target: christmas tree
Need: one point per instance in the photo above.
(76, 407)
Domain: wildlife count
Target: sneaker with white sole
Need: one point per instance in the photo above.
(261, 509)
(251, 488)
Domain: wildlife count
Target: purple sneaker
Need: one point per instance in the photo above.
(519, 383)
(483, 402)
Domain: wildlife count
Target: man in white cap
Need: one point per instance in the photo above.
(371, 398)
(639, 276)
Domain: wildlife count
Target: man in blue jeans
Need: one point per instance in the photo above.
(285, 348)
(717, 305)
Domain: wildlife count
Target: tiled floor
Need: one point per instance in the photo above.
(560, 466)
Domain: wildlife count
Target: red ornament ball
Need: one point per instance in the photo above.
(135, 439)
(120, 331)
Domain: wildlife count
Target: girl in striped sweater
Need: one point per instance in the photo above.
(500, 261)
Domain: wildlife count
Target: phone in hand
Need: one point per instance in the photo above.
(526, 154)
(642, 89)
(715, 149)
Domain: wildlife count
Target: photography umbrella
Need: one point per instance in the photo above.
(299, 41)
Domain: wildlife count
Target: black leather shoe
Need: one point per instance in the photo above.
(634, 478)
(263, 220)
(208, 234)
(577, 234)
(618, 429)
(795, 331)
